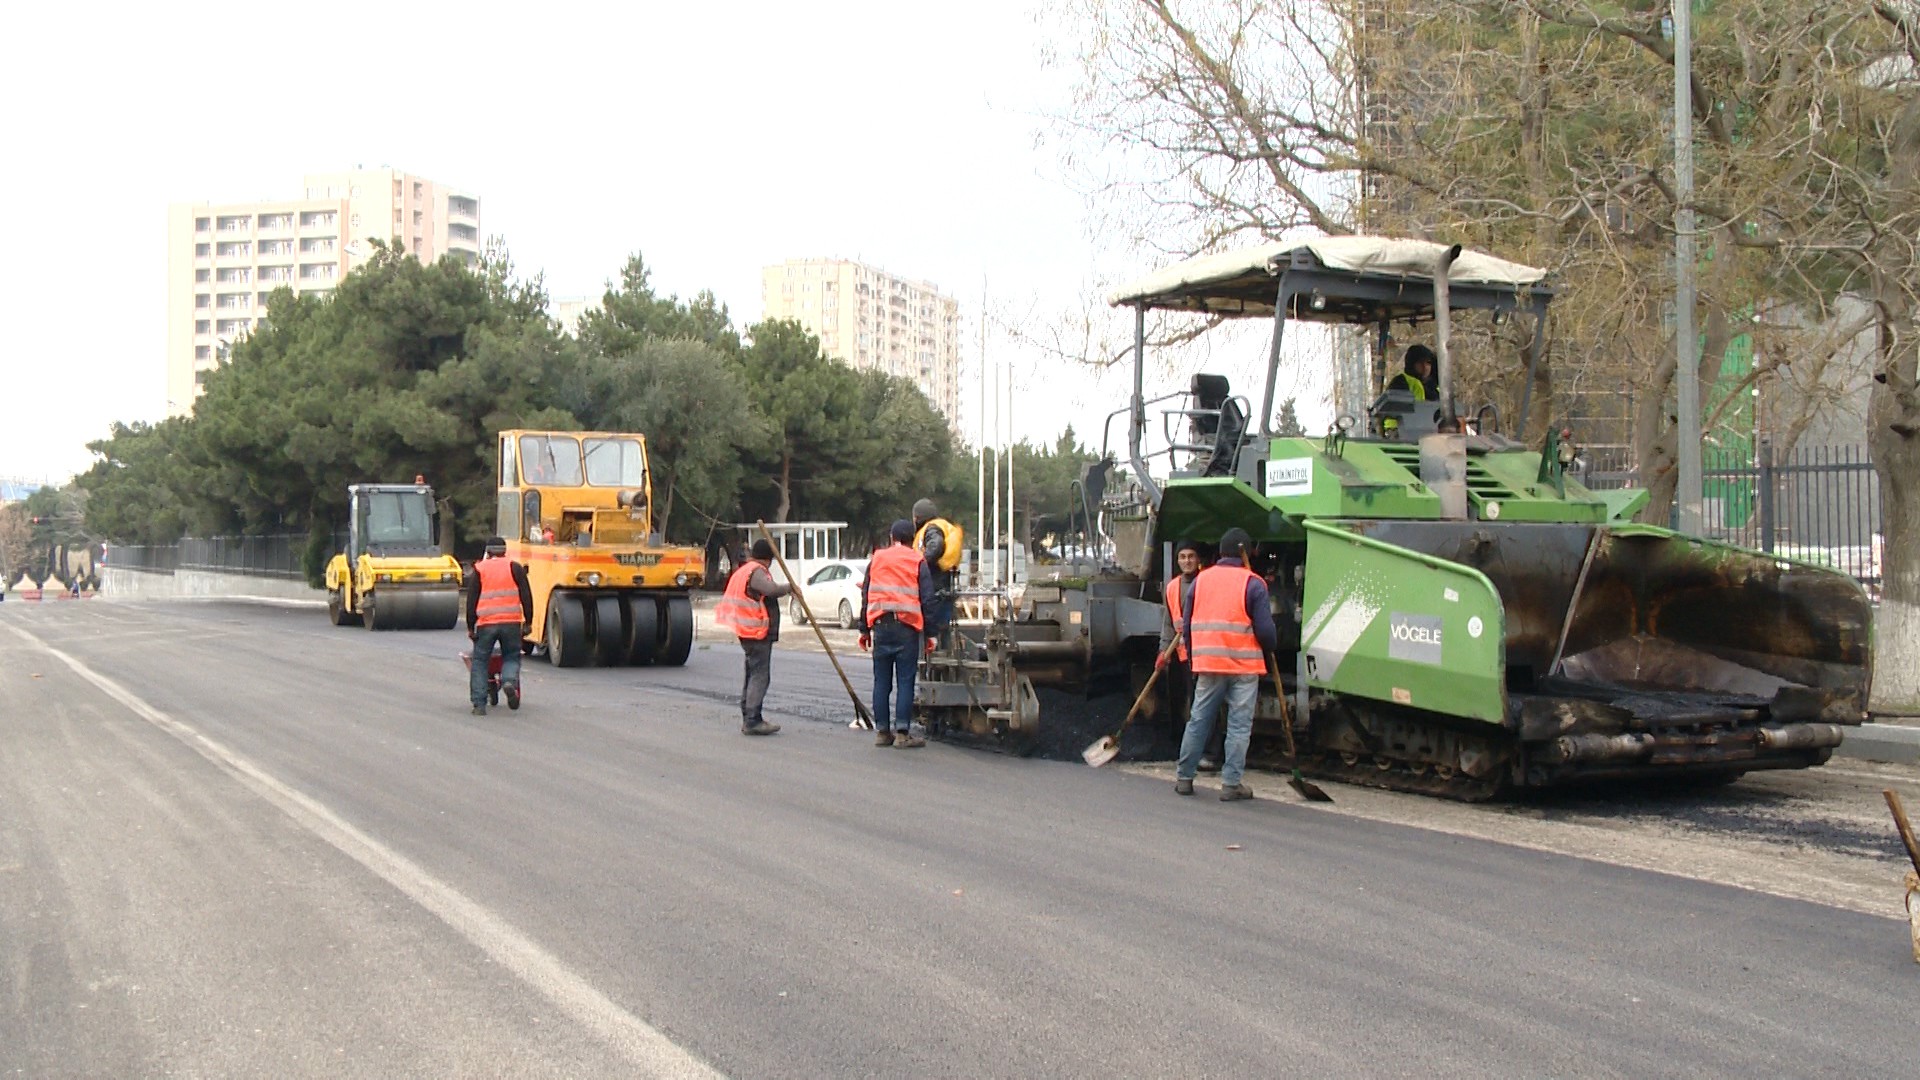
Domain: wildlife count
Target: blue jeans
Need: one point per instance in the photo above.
(507, 636)
(896, 662)
(1239, 692)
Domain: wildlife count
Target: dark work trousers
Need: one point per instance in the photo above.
(896, 660)
(753, 693)
(507, 636)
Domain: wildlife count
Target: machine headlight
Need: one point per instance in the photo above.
(591, 578)
(383, 577)
(446, 575)
(680, 580)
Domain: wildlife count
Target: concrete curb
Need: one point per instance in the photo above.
(1896, 743)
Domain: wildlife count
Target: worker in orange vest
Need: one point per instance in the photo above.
(1229, 631)
(1179, 666)
(751, 610)
(499, 611)
(894, 602)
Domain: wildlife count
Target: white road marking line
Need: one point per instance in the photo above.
(649, 1049)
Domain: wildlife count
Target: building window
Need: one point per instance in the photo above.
(201, 274)
(201, 326)
(203, 352)
(201, 300)
(199, 378)
(354, 221)
(202, 224)
(201, 251)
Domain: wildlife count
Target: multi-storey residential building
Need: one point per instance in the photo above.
(224, 260)
(873, 320)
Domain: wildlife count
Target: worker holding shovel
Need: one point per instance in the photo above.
(1229, 631)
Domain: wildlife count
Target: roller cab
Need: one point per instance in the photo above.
(576, 509)
(393, 575)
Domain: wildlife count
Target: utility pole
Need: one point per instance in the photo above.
(1688, 493)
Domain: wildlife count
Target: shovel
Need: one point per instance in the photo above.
(863, 718)
(1107, 747)
(1305, 788)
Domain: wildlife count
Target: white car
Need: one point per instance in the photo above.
(833, 593)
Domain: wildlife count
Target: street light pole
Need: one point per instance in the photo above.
(1689, 491)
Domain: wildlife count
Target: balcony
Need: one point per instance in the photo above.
(459, 206)
(319, 219)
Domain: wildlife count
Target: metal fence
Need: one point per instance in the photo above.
(277, 556)
(1820, 504)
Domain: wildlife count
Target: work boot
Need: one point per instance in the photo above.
(1235, 792)
(1183, 785)
(907, 740)
(759, 727)
(1209, 765)
(883, 737)
(513, 697)
(480, 710)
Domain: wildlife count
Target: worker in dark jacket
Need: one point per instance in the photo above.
(1229, 632)
(499, 611)
(751, 609)
(941, 543)
(894, 599)
(1417, 375)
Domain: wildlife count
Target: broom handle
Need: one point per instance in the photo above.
(1906, 829)
(859, 706)
(1286, 714)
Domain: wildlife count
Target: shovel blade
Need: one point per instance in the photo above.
(1307, 789)
(1101, 752)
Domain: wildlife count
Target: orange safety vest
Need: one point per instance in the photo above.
(739, 612)
(893, 585)
(1173, 609)
(1223, 639)
(499, 603)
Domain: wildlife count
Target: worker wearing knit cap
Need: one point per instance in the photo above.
(751, 609)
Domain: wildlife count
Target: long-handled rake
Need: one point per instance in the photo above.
(864, 716)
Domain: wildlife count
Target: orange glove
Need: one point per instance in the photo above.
(866, 642)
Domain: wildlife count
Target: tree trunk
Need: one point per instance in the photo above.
(666, 512)
(785, 486)
(1893, 435)
(1896, 662)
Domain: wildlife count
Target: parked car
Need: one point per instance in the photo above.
(833, 592)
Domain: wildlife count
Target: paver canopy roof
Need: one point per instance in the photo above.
(1240, 281)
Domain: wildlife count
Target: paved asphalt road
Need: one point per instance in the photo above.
(236, 841)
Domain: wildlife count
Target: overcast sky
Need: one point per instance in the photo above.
(714, 139)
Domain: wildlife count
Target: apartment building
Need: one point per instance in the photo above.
(224, 260)
(873, 320)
